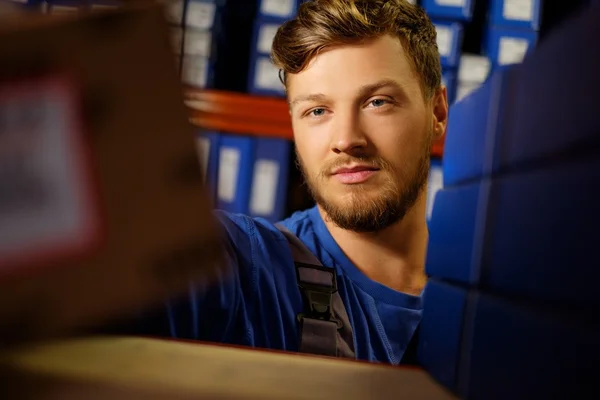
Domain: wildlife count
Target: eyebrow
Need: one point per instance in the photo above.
(363, 91)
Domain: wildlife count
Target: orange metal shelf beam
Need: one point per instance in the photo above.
(247, 115)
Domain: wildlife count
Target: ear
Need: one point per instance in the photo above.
(440, 112)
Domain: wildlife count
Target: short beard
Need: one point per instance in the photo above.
(368, 214)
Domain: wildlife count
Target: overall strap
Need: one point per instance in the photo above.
(324, 325)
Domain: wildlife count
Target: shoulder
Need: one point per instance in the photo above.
(240, 226)
(252, 238)
(302, 224)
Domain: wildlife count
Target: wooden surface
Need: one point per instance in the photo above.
(136, 368)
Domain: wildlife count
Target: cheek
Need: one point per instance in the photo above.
(312, 147)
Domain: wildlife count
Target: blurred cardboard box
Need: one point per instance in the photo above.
(138, 368)
(102, 205)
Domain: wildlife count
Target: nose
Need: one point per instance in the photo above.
(347, 135)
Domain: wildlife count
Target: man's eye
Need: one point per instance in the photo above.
(378, 102)
(317, 112)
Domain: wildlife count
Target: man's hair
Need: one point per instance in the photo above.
(321, 24)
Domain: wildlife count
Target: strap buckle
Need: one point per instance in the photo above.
(317, 284)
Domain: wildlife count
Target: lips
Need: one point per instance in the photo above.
(354, 174)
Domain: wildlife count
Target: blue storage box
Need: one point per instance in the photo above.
(441, 331)
(526, 112)
(483, 346)
(449, 9)
(529, 233)
(554, 108)
(517, 14)
(449, 41)
(474, 125)
(515, 350)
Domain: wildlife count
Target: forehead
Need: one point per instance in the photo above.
(343, 70)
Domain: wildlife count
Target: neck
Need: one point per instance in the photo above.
(395, 256)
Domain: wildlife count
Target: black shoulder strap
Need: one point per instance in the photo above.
(324, 325)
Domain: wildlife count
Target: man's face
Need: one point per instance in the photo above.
(363, 133)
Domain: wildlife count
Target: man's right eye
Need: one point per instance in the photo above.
(317, 112)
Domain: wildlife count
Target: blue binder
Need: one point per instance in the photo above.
(197, 71)
(236, 160)
(531, 233)
(207, 144)
(455, 10)
(523, 14)
(263, 77)
(270, 180)
(281, 10)
(505, 46)
(449, 41)
(201, 14)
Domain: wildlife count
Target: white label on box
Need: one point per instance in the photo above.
(266, 34)
(473, 68)
(46, 199)
(518, 10)
(444, 40)
(198, 42)
(173, 11)
(176, 39)
(512, 50)
(203, 147)
(451, 3)
(267, 75)
(200, 15)
(264, 187)
(436, 182)
(279, 8)
(464, 89)
(194, 71)
(229, 168)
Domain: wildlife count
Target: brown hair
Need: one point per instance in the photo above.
(324, 23)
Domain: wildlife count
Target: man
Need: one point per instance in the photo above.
(363, 85)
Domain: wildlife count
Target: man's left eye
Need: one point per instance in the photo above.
(378, 102)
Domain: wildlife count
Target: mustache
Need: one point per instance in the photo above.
(375, 162)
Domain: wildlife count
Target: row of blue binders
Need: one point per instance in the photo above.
(511, 310)
(247, 175)
(510, 32)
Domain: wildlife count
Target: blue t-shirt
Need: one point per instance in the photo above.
(255, 300)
